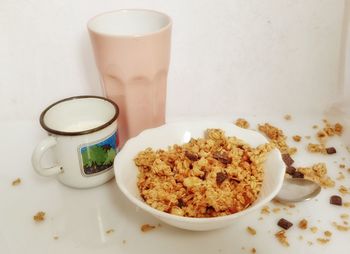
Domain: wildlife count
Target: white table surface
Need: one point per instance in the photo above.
(80, 218)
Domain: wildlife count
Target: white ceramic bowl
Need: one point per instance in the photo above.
(178, 133)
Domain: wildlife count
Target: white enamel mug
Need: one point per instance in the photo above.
(84, 139)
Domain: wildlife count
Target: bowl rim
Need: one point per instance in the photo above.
(179, 218)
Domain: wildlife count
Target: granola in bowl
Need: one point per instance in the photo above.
(207, 177)
(196, 179)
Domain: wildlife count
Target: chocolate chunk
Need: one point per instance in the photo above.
(287, 159)
(222, 157)
(336, 200)
(283, 223)
(191, 156)
(298, 174)
(290, 170)
(210, 210)
(330, 150)
(180, 203)
(220, 177)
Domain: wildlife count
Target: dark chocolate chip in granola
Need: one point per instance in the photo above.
(330, 150)
(220, 177)
(191, 156)
(180, 203)
(222, 157)
(203, 176)
(290, 170)
(298, 174)
(287, 159)
(335, 200)
(283, 223)
(209, 210)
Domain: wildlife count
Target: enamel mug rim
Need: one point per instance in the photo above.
(83, 132)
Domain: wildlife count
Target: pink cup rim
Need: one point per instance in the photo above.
(167, 26)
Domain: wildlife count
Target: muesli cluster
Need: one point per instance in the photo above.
(207, 177)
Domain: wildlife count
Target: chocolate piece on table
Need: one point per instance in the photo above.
(330, 150)
(283, 223)
(290, 170)
(335, 200)
(298, 174)
(287, 159)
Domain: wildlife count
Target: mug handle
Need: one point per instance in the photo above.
(38, 153)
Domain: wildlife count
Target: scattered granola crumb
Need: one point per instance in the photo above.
(282, 238)
(16, 182)
(251, 230)
(344, 216)
(345, 222)
(347, 204)
(314, 229)
(338, 128)
(340, 227)
(303, 224)
(315, 126)
(343, 190)
(301, 237)
(147, 227)
(310, 243)
(331, 130)
(109, 231)
(240, 122)
(288, 117)
(265, 210)
(322, 240)
(327, 233)
(276, 210)
(253, 250)
(124, 241)
(39, 216)
(341, 176)
(277, 202)
(297, 138)
(308, 137)
(260, 218)
(342, 165)
(321, 136)
(277, 137)
(318, 174)
(316, 148)
(55, 237)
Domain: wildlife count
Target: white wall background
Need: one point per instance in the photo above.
(228, 56)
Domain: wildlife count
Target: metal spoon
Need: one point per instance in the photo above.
(297, 190)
